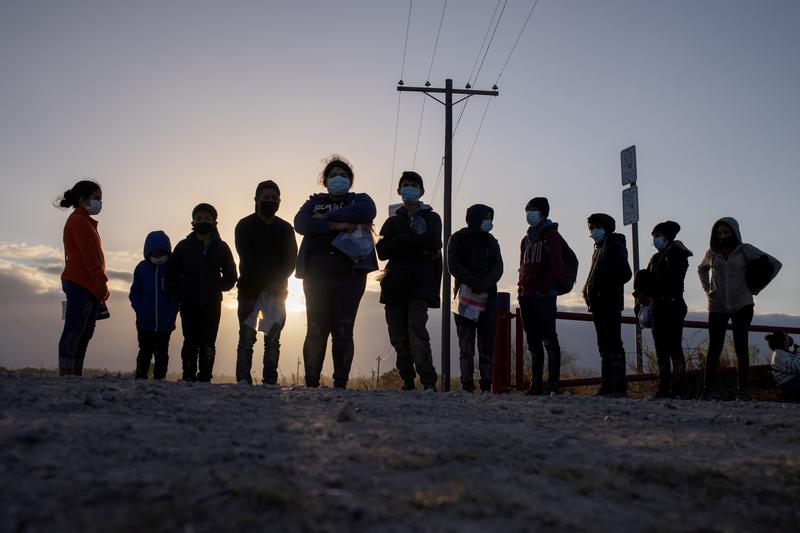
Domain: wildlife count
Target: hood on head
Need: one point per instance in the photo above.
(156, 240)
(729, 221)
(683, 247)
(477, 214)
(606, 221)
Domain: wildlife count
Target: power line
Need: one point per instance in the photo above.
(405, 45)
(505, 3)
(514, 47)
(397, 114)
(472, 148)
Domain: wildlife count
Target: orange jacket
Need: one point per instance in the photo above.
(86, 264)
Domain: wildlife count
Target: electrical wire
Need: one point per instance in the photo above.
(397, 114)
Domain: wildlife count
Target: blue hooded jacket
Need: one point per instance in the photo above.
(155, 304)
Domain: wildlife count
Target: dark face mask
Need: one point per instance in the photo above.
(267, 208)
(728, 241)
(203, 228)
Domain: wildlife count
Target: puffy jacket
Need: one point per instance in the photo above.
(609, 272)
(413, 247)
(152, 298)
(667, 270)
(473, 255)
(723, 278)
(202, 273)
(85, 262)
(355, 208)
(541, 263)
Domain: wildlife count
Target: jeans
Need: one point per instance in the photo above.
(152, 344)
(247, 339)
(486, 329)
(331, 307)
(408, 334)
(539, 321)
(199, 327)
(668, 316)
(608, 326)
(79, 323)
(717, 326)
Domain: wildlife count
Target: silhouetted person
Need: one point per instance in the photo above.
(412, 244)
(724, 276)
(203, 268)
(662, 289)
(84, 277)
(603, 293)
(541, 267)
(155, 302)
(785, 365)
(474, 259)
(333, 282)
(267, 254)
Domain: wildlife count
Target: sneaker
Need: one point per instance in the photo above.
(534, 391)
(431, 388)
(408, 386)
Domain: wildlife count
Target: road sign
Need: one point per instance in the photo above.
(630, 205)
(628, 159)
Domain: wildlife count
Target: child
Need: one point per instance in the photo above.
(155, 304)
(202, 266)
(785, 364)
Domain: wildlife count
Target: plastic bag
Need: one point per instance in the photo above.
(269, 311)
(356, 244)
(469, 304)
(645, 317)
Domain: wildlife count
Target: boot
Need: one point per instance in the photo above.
(605, 376)
(663, 380)
(619, 382)
(679, 378)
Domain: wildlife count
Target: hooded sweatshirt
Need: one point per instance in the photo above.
(202, 271)
(668, 272)
(723, 278)
(785, 366)
(152, 298)
(473, 255)
(413, 247)
(83, 251)
(541, 262)
(610, 270)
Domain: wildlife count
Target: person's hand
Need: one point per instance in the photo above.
(344, 226)
(276, 288)
(321, 216)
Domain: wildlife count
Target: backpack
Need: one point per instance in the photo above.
(570, 274)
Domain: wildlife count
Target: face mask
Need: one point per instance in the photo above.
(660, 243)
(534, 217)
(267, 208)
(338, 185)
(730, 240)
(409, 193)
(203, 228)
(159, 260)
(487, 225)
(598, 234)
(95, 206)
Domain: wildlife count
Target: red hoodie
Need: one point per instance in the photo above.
(540, 261)
(86, 265)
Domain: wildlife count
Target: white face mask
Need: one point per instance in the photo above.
(159, 260)
(94, 207)
(487, 225)
(533, 217)
(598, 234)
(660, 243)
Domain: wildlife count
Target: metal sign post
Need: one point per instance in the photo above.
(630, 216)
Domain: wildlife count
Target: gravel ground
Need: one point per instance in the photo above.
(111, 454)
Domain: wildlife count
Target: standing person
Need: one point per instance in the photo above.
(412, 243)
(267, 254)
(155, 303)
(84, 279)
(724, 277)
(603, 293)
(474, 259)
(541, 267)
(203, 268)
(333, 283)
(663, 291)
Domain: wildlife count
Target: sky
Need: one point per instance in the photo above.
(168, 104)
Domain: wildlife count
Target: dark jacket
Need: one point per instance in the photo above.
(667, 272)
(609, 272)
(541, 263)
(413, 247)
(356, 208)
(473, 255)
(202, 274)
(155, 303)
(267, 254)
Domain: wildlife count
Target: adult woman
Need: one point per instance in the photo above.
(333, 282)
(724, 277)
(84, 278)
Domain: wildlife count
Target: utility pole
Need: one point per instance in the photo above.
(297, 375)
(378, 376)
(630, 215)
(447, 200)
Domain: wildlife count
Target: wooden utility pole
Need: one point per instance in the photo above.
(447, 200)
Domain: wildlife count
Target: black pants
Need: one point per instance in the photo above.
(608, 326)
(199, 327)
(717, 326)
(486, 329)
(247, 339)
(668, 317)
(408, 333)
(331, 306)
(152, 344)
(539, 321)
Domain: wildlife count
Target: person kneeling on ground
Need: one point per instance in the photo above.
(785, 364)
